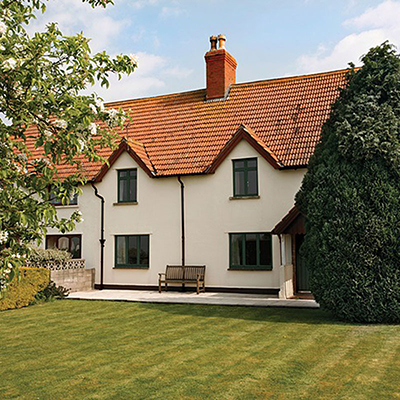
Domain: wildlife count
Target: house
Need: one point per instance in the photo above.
(206, 177)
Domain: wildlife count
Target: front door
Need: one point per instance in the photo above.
(302, 284)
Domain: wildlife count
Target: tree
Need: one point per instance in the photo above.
(351, 196)
(41, 78)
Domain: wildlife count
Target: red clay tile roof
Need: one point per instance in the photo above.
(182, 133)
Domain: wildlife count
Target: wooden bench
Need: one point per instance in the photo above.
(183, 275)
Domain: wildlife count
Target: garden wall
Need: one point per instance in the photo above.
(77, 280)
(70, 274)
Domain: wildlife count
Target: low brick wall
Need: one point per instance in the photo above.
(77, 280)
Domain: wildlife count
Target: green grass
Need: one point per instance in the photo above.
(115, 350)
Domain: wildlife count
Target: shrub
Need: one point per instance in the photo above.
(21, 292)
(351, 197)
(51, 292)
(39, 256)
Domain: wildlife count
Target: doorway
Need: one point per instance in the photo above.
(302, 274)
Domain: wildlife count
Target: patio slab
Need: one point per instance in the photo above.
(208, 298)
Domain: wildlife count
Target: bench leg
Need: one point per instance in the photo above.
(159, 286)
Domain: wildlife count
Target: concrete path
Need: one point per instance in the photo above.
(221, 299)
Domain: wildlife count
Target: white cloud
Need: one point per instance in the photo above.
(74, 16)
(385, 15)
(150, 63)
(168, 12)
(147, 78)
(138, 4)
(370, 29)
(128, 87)
(349, 49)
(178, 72)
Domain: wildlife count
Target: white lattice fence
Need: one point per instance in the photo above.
(59, 265)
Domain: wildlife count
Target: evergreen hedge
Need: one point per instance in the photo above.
(351, 197)
(39, 256)
(21, 293)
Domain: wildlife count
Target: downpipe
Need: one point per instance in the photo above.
(182, 219)
(102, 240)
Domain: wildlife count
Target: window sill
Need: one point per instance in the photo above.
(126, 203)
(260, 268)
(60, 206)
(244, 197)
(131, 267)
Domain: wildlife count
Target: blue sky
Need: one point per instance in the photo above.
(268, 38)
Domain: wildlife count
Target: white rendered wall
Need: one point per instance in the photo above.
(209, 213)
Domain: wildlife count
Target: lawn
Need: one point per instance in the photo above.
(114, 350)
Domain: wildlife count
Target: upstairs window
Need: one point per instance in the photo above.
(250, 251)
(127, 185)
(245, 178)
(57, 200)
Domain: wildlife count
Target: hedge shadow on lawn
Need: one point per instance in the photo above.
(272, 314)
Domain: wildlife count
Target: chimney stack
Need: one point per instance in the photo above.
(220, 69)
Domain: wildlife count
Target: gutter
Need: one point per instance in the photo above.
(182, 219)
(101, 240)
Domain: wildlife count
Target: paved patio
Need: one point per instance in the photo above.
(209, 298)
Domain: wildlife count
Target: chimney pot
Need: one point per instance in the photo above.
(221, 41)
(213, 41)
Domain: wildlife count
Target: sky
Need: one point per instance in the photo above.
(268, 38)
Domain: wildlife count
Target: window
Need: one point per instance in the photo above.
(57, 201)
(251, 251)
(127, 185)
(245, 181)
(71, 243)
(132, 251)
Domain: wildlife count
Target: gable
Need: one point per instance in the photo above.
(135, 150)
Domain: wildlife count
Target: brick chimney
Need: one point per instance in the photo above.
(221, 69)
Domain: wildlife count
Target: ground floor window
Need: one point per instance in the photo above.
(250, 251)
(70, 243)
(132, 251)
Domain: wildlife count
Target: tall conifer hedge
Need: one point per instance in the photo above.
(351, 196)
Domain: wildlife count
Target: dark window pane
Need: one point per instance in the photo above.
(132, 189)
(121, 250)
(239, 164)
(236, 249)
(53, 197)
(251, 249)
(76, 247)
(252, 182)
(74, 199)
(132, 252)
(265, 249)
(51, 242)
(123, 190)
(123, 174)
(144, 250)
(239, 183)
(63, 243)
(252, 163)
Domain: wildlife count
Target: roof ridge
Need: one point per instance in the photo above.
(295, 77)
(154, 97)
(283, 79)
